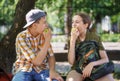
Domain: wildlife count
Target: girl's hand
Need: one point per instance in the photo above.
(87, 70)
(74, 33)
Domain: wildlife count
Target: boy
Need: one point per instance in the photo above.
(35, 59)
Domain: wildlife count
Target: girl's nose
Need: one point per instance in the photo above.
(73, 25)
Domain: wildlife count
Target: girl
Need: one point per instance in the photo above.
(80, 32)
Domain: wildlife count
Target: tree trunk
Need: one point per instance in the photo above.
(68, 21)
(7, 44)
(69, 16)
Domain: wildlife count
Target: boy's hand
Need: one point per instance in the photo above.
(46, 30)
(55, 75)
(47, 34)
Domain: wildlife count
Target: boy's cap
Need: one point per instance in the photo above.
(33, 15)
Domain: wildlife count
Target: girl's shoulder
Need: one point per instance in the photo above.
(92, 36)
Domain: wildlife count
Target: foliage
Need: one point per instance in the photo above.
(55, 13)
(97, 9)
(110, 37)
(7, 9)
(115, 18)
(57, 10)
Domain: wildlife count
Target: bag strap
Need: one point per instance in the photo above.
(6, 75)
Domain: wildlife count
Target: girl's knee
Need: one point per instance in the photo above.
(73, 76)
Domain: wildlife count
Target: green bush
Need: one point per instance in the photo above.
(104, 37)
(110, 37)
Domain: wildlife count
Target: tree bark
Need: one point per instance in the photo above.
(69, 16)
(68, 21)
(7, 44)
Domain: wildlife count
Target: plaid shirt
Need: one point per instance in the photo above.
(27, 47)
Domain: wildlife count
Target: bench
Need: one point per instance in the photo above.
(62, 56)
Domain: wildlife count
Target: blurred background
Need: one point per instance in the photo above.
(104, 13)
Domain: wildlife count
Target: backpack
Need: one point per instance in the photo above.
(86, 52)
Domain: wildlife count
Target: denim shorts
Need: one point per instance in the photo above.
(32, 76)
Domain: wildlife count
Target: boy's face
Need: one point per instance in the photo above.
(41, 25)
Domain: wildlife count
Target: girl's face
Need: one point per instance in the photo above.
(77, 22)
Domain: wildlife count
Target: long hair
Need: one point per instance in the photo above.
(85, 18)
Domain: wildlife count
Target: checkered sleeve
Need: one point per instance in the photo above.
(50, 50)
(25, 48)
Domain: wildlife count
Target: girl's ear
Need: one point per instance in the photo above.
(86, 25)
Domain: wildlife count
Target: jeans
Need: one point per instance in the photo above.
(32, 76)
